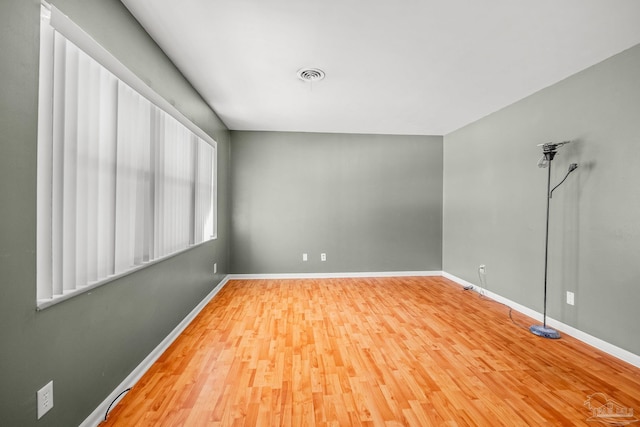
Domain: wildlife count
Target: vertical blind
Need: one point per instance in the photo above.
(121, 182)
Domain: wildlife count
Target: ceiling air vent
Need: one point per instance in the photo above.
(310, 74)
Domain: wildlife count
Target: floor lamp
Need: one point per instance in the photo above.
(549, 151)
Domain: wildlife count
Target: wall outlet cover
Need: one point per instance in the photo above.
(45, 399)
(570, 298)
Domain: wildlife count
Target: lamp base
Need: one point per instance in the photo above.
(544, 332)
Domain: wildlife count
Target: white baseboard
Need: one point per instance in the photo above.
(334, 275)
(97, 416)
(608, 348)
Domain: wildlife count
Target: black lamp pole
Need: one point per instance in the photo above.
(546, 246)
(549, 151)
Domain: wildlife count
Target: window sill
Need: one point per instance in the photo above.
(46, 303)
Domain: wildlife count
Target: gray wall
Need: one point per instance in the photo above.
(494, 200)
(89, 343)
(370, 202)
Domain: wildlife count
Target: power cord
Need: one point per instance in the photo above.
(114, 400)
(483, 295)
(513, 321)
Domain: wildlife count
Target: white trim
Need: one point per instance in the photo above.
(608, 348)
(97, 416)
(345, 275)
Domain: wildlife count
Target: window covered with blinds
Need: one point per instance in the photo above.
(122, 182)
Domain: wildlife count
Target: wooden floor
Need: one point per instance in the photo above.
(415, 351)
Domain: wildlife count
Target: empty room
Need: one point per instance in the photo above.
(294, 213)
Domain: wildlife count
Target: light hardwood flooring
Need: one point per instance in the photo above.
(415, 351)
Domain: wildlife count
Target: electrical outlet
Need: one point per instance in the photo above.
(323, 257)
(304, 257)
(215, 267)
(571, 298)
(482, 269)
(45, 399)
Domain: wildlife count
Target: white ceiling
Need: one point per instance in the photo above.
(421, 67)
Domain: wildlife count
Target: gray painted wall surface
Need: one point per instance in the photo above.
(89, 343)
(370, 202)
(494, 200)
